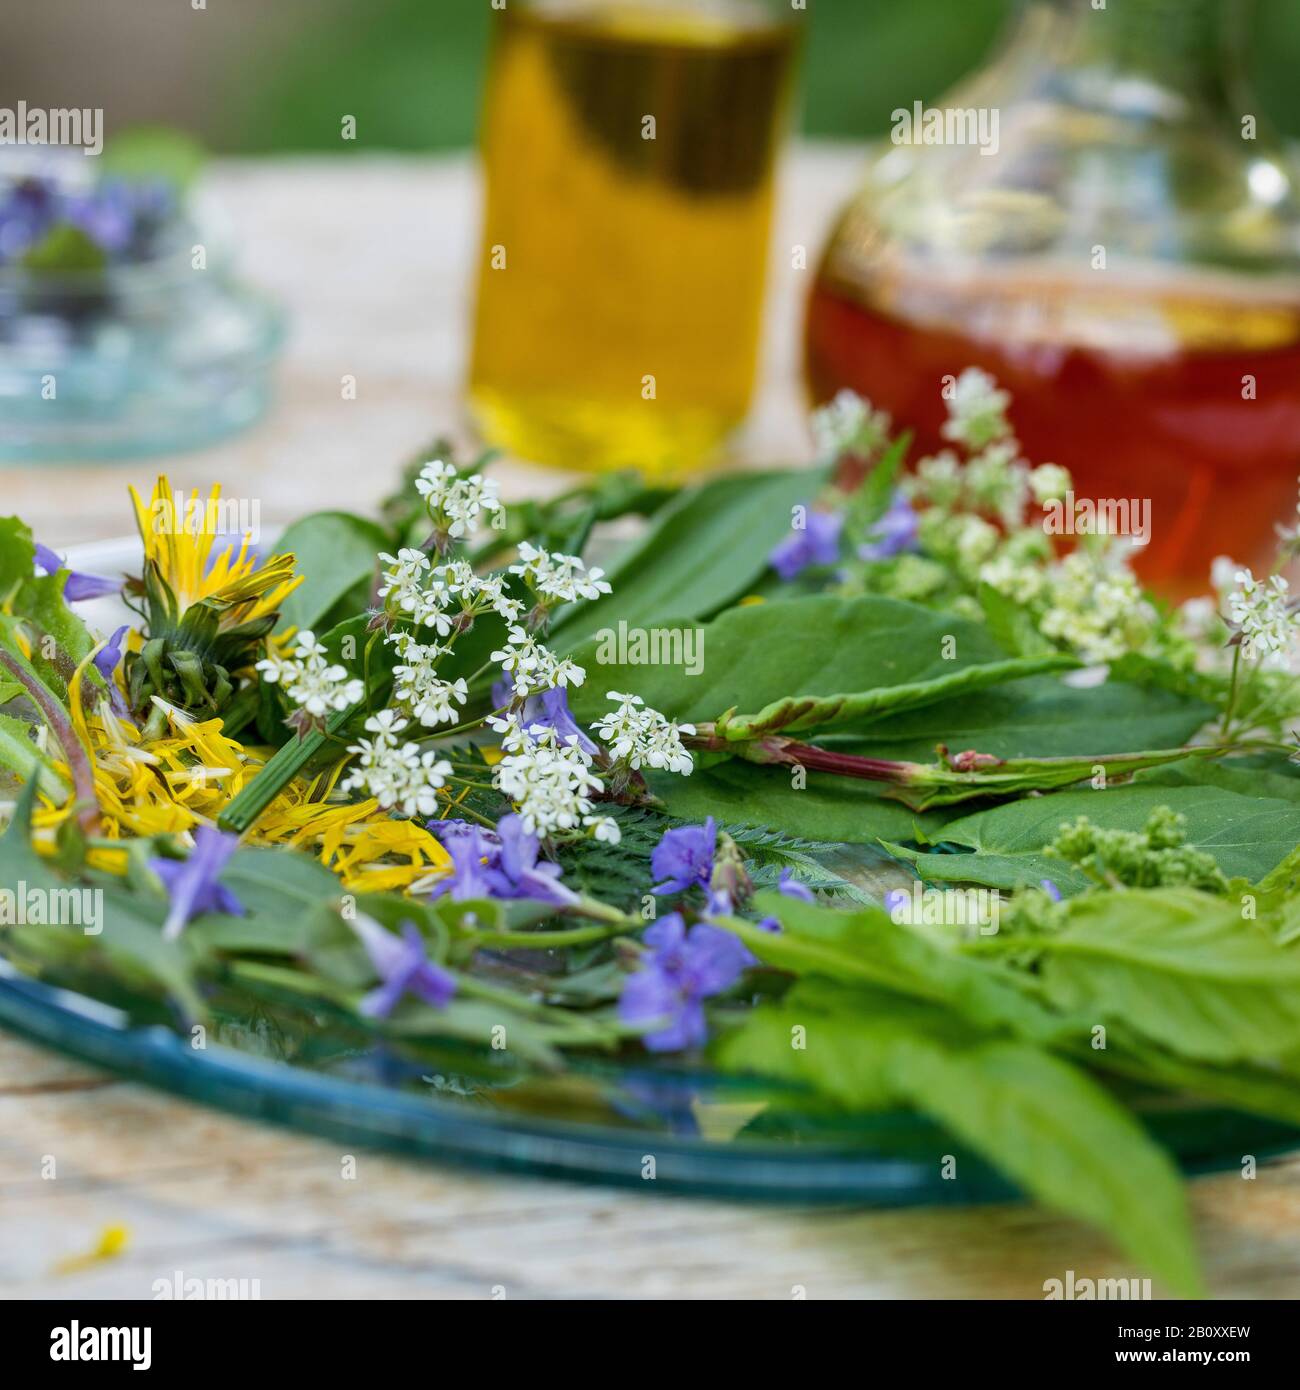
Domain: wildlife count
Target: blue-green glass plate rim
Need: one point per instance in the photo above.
(424, 1127)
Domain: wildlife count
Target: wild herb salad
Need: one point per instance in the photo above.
(442, 773)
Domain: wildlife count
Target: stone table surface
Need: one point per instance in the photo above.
(370, 256)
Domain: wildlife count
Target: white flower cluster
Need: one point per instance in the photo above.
(455, 503)
(438, 596)
(555, 576)
(534, 667)
(310, 679)
(550, 782)
(977, 410)
(1262, 611)
(395, 773)
(1095, 606)
(643, 737)
(418, 686)
(848, 424)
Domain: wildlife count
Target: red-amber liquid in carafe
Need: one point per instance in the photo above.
(1182, 389)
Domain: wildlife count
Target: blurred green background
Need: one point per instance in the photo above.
(262, 76)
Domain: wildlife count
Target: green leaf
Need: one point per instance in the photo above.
(1038, 1118)
(129, 941)
(704, 549)
(866, 947)
(1037, 718)
(827, 808)
(796, 662)
(1245, 835)
(336, 552)
(1179, 967)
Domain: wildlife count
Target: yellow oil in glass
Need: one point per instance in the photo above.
(628, 152)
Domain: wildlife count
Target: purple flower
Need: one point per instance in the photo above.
(817, 543)
(192, 883)
(893, 533)
(684, 857)
(404, 966)
(105, 662)
(791, 888)
(896, 899)
(78, 586)
(680, 971)
(1050, 889)
(497, 864)
(551, 708)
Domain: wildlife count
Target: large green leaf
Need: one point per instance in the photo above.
(1179, 967)
(336, 552)
(866, 947)
(1246, 835)
(831, 808)
(705, 549)
(791, 664)
(1038, 1118)
(1038, 718)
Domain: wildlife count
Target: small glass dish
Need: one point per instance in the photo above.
(154, 357)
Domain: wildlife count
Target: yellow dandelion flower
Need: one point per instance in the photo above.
(178, 537)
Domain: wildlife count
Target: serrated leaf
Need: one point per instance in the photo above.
(1179, 967)
(1245, 835)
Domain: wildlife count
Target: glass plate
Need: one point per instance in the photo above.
(273, 1058)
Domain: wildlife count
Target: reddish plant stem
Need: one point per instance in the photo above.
(789, 753)
(60, 725)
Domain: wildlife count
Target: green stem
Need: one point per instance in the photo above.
(282, 768)
(59, 723)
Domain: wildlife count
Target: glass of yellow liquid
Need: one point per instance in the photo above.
(629, 149)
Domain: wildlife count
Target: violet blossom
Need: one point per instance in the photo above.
(816, 543)
(403, 965)
(192, 883)
(790, 887)
(78, 587)
(683, 858)
(499, 864)
(894, 532)
(105, 662)
(681, 970)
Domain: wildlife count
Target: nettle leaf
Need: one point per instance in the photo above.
(1179, 967)
(705, 549)
(865, 947)
(826, 808)
(336, 552)
(800, 663)
(1037, 718)
(1245, 835)
(1038, 1118)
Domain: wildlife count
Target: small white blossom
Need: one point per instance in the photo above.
(533, 667)
(603, 828)
(455, 503)
(1263, 613)
(398, 775)
(417, 685)
(643, 737)
(1049, 482)
(557, 576)
(551, 786)
(977, 410)
(403, 578)
(310, 679)
(848, 424)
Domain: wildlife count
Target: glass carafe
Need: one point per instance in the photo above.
(1108, 229)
